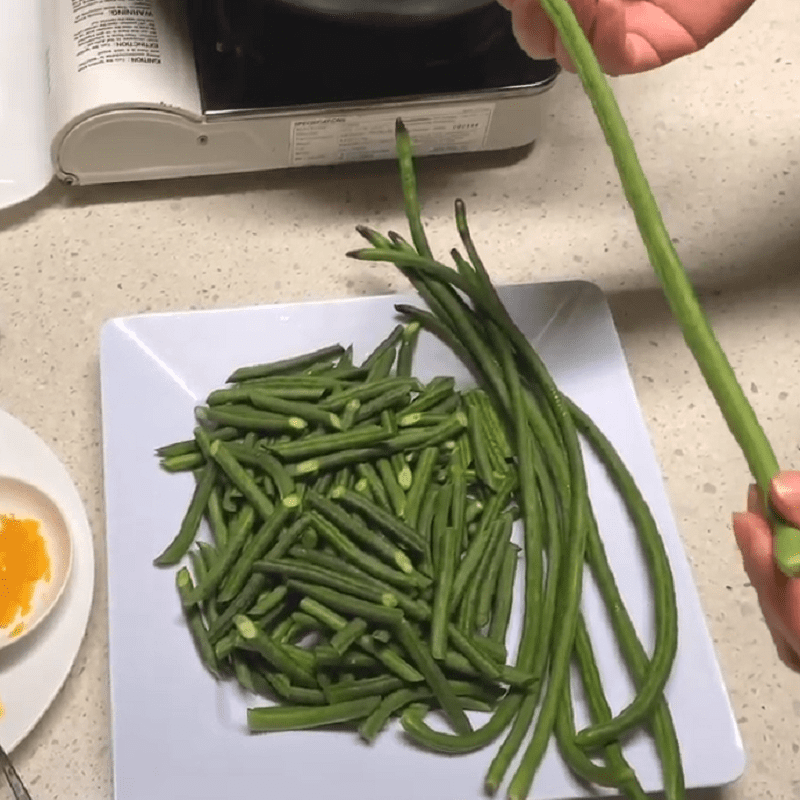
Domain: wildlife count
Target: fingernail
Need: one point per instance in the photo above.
(784, 491)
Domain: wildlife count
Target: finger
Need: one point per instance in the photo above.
(754, 502)
(705, 21)
(754, 538)
(533, 30)
(586, 13)
(778, 595)
(609, 38)
(785, 496)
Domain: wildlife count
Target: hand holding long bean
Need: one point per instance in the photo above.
(779, 597)
(678, 290)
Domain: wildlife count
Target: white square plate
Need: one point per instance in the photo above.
(178, 735)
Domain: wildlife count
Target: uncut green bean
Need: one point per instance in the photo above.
(635, 655)
(524, 776)
(545, 631)
(419, 731)
(625, 778)
(577, 761)
(665, 605)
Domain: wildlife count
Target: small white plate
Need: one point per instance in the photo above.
(23, 500)
(190, 732)
(33, 669)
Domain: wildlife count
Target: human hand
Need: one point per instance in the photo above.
(627, 35)
(778, 595)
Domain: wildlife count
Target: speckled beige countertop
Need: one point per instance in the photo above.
(719, 135)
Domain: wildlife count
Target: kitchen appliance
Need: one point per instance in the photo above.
(282, 88)
(119, 90)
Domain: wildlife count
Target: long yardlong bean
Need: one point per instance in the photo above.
(678, 290)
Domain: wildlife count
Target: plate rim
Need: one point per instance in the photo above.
(74, 606)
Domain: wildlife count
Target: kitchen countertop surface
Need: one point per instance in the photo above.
(718, 136)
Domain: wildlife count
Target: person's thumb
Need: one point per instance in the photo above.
(754, 537)
(785, 496)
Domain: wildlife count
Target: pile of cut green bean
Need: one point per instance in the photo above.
(361, 561)
(355, 505)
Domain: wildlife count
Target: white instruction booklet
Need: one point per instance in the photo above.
(70, 68)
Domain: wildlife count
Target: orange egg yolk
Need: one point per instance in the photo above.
(23, 563)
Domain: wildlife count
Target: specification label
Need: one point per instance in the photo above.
(336, 139)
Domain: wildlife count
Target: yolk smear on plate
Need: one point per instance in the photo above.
(23, 563)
